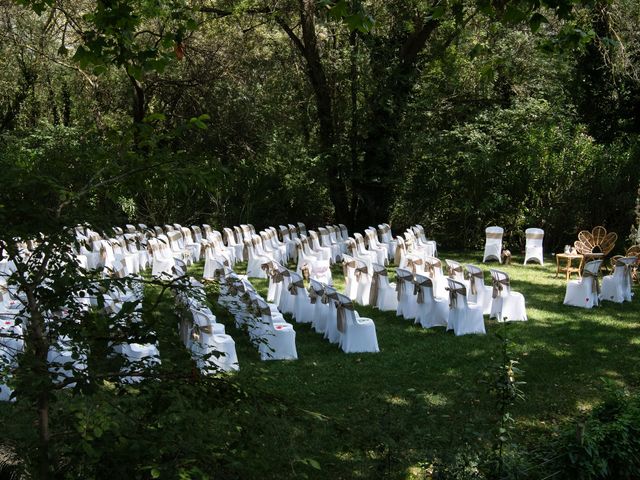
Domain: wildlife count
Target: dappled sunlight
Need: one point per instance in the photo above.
(427, 387)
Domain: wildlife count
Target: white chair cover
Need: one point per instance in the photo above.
(617, 286)
(585, 292)
(464, 317)
(533, 245)
(493, 244)
(507, 305)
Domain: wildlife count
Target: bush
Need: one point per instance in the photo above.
(606, 443)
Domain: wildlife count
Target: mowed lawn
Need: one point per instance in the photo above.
(427, 391)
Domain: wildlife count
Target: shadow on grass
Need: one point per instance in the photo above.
(379, 415)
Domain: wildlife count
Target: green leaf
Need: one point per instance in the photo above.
(536, 20)
(135, 71)
(155, 473)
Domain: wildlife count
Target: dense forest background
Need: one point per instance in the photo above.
(453, 114)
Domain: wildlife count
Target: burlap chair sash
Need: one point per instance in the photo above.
(494, 235)
(472, 281)
(361, 271)
(419, 292)
(413, 263)
(627, 269)
(313, 296)
(400, 247)
(453, 295)
(499, 285)
(346, 266)
(342, 317)
(453, 270)
(277, 276)
(293, 286)
(375, 285)
(595, 285)
(400, 286)
(267, 268)
(535, 236)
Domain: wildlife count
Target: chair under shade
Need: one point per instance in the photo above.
(617, 286)
(382, 294)
(585, 292)
(255, 259)
(507, 305)
(349, 265)
(456, 272)
(332, 333)
(358, 334)
(210, 346)
(479, 293)
(319, 306)
(493, 244)
(533, 245)
(302, 310)
(464, 317)
(433, 269)
(277, 339)
(430, 310)
(363, 279)
(405, 296)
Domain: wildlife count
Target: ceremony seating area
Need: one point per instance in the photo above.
(299, 265)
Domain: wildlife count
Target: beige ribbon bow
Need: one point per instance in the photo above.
(472, 281)
(398, 255)
(498, 286)
(346, 266)
(266, 267)
(341, 316)
(293, 286)
(361, 271)
(375, 285)
(419, 292)
(453, 295)
(313, 296)
(454, 270)
(595, 285)
(412, 263)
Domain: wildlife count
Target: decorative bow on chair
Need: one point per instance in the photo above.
(472, 281)
(453, 295)
(419, 292)
(342, 320)
(375, 284)
(498, 286)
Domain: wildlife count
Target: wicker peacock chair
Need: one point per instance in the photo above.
(597, 241)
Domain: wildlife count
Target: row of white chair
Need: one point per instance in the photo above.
(533, 244)
(587, 293)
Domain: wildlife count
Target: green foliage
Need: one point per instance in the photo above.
(604, 444)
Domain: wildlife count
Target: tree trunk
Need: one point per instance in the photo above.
(38, 339)
(310, 51)
(139, 103)
(376, 181)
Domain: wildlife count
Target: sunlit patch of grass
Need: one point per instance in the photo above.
(427, 390)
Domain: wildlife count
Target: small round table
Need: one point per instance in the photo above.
(568, 268)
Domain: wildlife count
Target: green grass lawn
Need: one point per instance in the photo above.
(426, 392)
